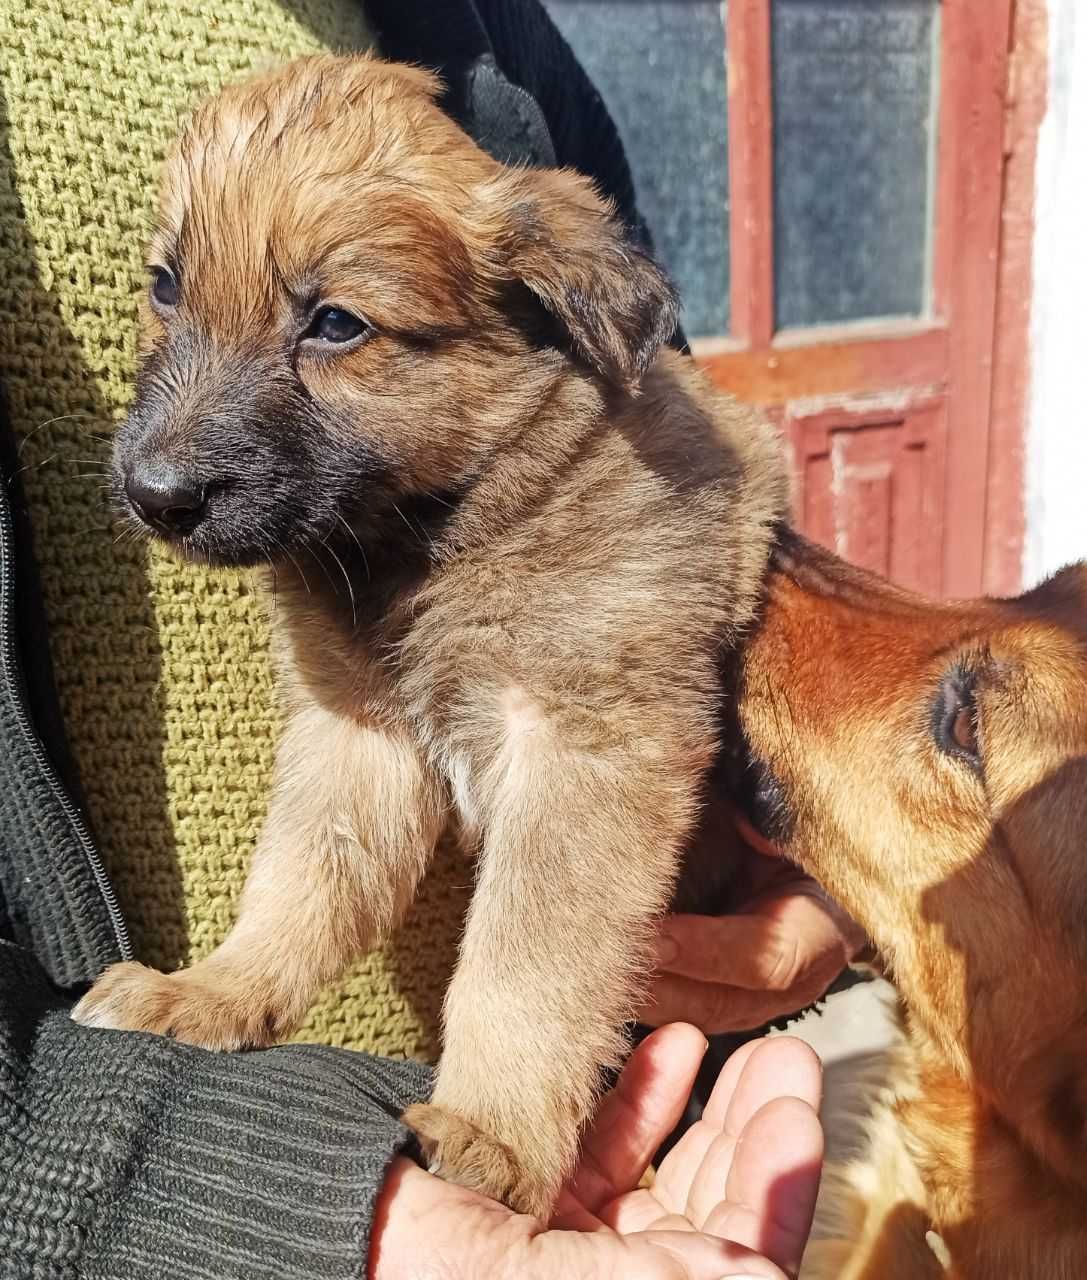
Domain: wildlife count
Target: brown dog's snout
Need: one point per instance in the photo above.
(165, 496)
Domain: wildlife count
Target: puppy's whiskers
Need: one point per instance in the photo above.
(275, 577)
(31, 466)
(434, 497)
(323, 567)
(49, 422)
(355, 538)
(297, 567)
(129, 533)
(420, 534)
(350, 588)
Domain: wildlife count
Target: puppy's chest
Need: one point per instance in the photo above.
(605, 586)
(432, 709)
(550, 635)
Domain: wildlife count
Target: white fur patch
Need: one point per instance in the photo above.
(458, 769)
(521, 713)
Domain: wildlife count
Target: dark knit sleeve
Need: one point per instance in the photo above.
(132, 1157)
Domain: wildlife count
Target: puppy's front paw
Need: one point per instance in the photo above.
(460, 1152)
(185, 1006)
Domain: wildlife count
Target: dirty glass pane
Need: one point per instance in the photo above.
(660, 67)
(854, 84)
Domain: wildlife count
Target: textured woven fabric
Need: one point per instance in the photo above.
(132, 1157)
(162, 670)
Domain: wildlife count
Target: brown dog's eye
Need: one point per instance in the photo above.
(962, 731)
(331, 324)
(165, 290)
(955, 717)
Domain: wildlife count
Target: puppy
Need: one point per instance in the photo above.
(509, 536)
(928, 764)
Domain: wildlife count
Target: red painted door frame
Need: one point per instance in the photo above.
(957, 418)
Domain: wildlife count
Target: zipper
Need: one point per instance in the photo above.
(12, 671)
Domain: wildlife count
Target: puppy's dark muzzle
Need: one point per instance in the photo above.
(165, 497)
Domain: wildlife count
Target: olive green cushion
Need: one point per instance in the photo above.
(162, 669)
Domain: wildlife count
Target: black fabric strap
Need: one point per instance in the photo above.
(532, 51)
(450, 38)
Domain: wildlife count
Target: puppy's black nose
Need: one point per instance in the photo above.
(165, 497)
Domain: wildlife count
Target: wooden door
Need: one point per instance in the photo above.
(858, 184)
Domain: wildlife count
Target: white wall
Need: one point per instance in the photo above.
(1056, 493)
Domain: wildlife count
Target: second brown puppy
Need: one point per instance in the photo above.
(510, 537)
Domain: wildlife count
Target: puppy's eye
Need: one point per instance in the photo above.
(165, 290)
(955, 718)
(331, 324)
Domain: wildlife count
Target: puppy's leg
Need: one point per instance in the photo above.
(579, 855)
(353, 819)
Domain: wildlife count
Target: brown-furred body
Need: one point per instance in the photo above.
(509, 540)
(962, 857)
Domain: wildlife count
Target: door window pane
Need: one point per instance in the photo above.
(854, 83)
(660, 67)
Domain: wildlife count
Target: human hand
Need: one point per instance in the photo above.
(778, 952)
(734, 1198)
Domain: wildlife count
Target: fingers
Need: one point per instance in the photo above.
(777, 1067)
(751, 1189)
(770, 1072)
(732, 973)
(637, 1115)
(774, 1176)
(676, 1175)
(767, 949)
(759, 1176)
(718, 1009)
(725, 1085)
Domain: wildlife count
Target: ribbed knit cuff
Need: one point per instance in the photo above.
(132, 1157)
(258, 1165)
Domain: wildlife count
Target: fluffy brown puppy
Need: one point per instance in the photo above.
(510, 537)
(928, 764)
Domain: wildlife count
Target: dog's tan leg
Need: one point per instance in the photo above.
(353, 819)
(901, 1251)
(871, 1222)
(578, 858)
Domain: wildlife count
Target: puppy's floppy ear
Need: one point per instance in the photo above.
(568, 249)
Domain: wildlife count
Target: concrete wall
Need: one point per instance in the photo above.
(1056, 506)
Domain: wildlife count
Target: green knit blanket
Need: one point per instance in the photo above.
(162, 669)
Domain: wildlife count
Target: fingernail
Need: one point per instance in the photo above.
(667, 950)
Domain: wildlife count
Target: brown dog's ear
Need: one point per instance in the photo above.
(569, 250)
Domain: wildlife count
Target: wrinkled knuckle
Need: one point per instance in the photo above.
(786, 968)
(719, 1013)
